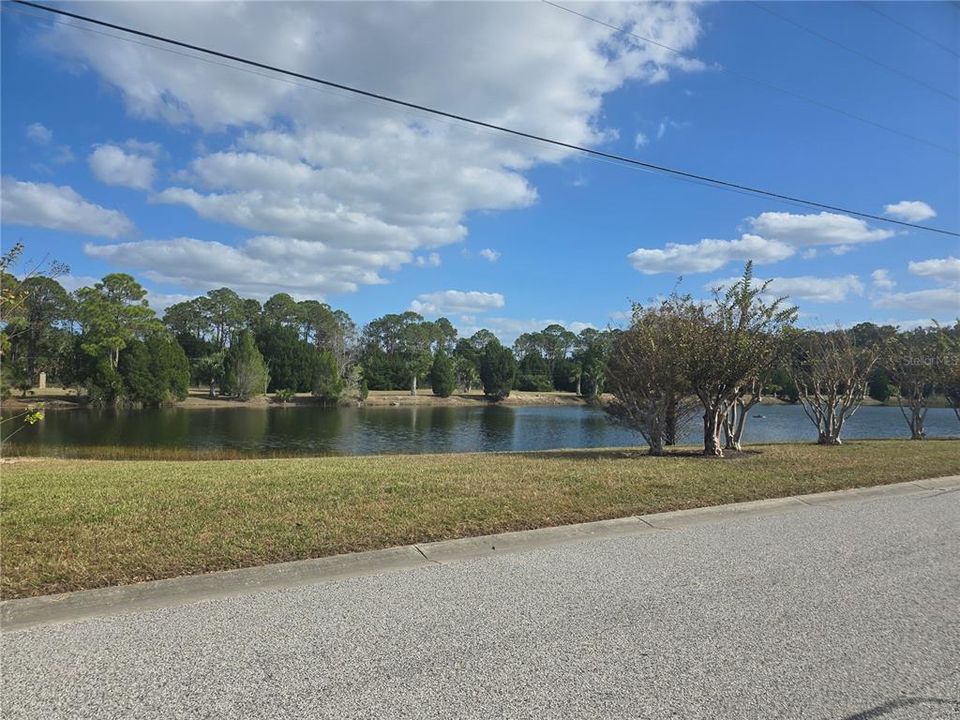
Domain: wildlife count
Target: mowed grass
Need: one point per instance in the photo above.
(75, 524)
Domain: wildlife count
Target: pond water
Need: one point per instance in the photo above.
(360, 431)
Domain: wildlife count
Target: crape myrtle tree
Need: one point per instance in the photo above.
(729, 343)
(913, 363)
(948, 367)
(645, 370)
(831, 373)
(498, 370)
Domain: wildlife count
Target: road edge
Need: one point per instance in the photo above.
(21, 614)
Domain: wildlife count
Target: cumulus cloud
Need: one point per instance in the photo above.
(910, 210)
(59, 207)
(640, 140)
(456, 302)
(708, 255)
(944, 270)
(775, 236)
(328, 168)
(940, 302)
(881, 280)
(936, 302)
(489, 254)
(258, 267)
(806, 287)
(816, 229)
(113, 165)
(39, 134)
(508, 329)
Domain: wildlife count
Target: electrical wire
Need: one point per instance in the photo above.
(868, 58)
(758, 81)
(480, 123)
(873, 8)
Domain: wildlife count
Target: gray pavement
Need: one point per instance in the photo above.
(836, 610)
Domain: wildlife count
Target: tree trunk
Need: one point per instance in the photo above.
(579, 377)
(656, 444)
(916, 426)
(827, 438)
(670, 423)
(413, 385)
(711, 433)
(730, 426)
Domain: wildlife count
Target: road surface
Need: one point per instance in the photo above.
(849, 611)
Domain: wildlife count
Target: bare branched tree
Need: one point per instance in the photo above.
(914, 363)
(831, 374)
(948, 365)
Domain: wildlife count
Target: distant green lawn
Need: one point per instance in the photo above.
(75, 524)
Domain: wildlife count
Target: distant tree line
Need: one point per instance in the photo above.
(678, 360)
(109, 344)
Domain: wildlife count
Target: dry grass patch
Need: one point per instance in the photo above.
(76, 524)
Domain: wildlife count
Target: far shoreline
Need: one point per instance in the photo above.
(56, 399)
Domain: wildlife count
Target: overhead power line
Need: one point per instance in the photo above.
(872, 7)
(868, 58)
(765, 83)
(674, 172)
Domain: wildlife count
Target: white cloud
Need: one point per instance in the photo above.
(708, 255)
(489, 254)
(910, 210)
(816, 229)
(431, 260)
(456, 302)
(75, 282)
(943, 270)
(323, 167)
(805, 288)
(59, 207)
(39, 134)
(640, 140)
(881, 280)
(776, 236)
(507, 329)
(161, 301)
(114, 166)
(63, 155)
(668, 124)
(942, 303)
(258, 267)
(138, 147)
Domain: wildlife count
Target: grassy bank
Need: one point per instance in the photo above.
(69, 525)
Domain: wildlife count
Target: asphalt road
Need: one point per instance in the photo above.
(849, 612)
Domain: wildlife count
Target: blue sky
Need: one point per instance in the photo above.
(191, 176)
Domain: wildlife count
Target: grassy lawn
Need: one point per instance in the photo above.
(74, 524)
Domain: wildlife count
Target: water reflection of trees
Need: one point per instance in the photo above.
(497, 428)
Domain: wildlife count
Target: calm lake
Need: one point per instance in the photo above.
(359, 431)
